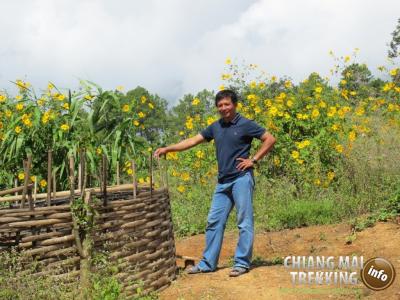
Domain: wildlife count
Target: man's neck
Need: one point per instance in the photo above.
(230, 119)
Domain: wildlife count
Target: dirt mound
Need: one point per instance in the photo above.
(267, 280)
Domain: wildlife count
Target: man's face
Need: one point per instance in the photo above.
(226, 108)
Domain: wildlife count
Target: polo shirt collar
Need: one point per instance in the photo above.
(234, 121)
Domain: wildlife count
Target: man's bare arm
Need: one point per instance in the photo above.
(181, 146)
(268, 142)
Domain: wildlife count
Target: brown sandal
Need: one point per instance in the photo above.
(237, 271)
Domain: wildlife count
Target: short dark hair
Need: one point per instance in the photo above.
(226, 94)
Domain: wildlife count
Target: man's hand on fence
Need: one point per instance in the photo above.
(160, 151)
(244, 164)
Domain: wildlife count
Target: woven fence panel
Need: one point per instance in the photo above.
(136, 233)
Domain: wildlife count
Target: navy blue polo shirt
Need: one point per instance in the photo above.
(232, 140)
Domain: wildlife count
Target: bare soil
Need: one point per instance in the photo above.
(268, 281)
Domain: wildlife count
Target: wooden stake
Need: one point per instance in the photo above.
(104, 176)
(71, 179)
(35, 190)
(16, 185)
(151, 174)
(133, 166)
(49, 167)
(117, 172)
(27, 167)
(54, 185)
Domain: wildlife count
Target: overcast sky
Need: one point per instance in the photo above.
(173, 47)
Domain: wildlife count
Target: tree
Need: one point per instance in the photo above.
(394, 45)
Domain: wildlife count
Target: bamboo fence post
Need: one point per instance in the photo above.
(54, 185)
(151, 174)
(16, 185)
(133, 166)
(49, 167)
(27, 166)
(80, 173)
(118, 172)
(71, 179)
(86, 251)
(35, 190)
(104, 181)
(83, 171)
(166, 170)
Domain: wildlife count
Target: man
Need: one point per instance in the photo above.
(233, 135)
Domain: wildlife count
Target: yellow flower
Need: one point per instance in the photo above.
(335, 127)
(19, 106)
(360, 111)
(273, 78)
(332, 111)
(331, 175)
(352, 136)
(277, 161)
(288, 84)
(181, 133)
(189, 124)
(33, 178)
(289, 103)
(393, 72)
(181, 188)
(64, 127)
(226, 76)
(228, 61)
(50, 86)
(318, 90)
(141, 114)
(43, 183)
(8, 113)
(200, 154)
(339, 148)
(66, 106)
(21, 176)
(99, 150)
(300, 161)
(315, 113)
(120, 88)
(129, 171)
(221, 87)
(143, 99)
(2, 98)
(343, 82)
(151, 105)
(172, 156)
(88, 97)
(295, 154)
(185, 176)
(141, 180)
(317, 182)
(195, 101)
(210, 120)
(346, 58)
(18, 97)
(125, 108)
(18, 129)
(135, 122)
(61, 97)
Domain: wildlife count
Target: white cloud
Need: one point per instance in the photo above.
(176, 47)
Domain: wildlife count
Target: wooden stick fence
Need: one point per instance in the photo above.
(130, 222)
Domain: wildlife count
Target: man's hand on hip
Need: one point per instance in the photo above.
(244, 164)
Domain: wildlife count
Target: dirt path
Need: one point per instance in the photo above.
(266, 281)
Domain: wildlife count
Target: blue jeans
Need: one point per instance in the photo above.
(239, 193)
